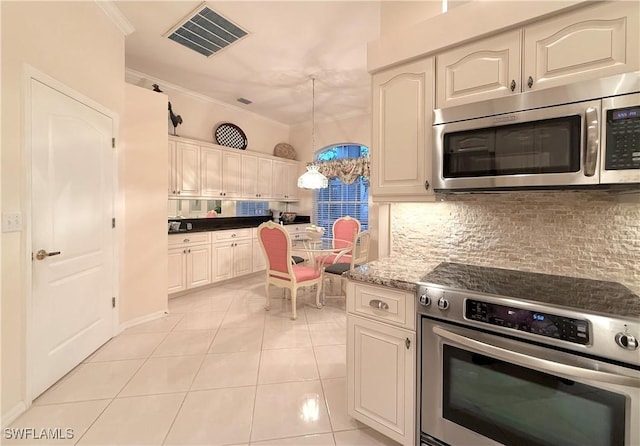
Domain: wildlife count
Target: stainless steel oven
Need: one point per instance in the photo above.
(585, 134)
(524, 359)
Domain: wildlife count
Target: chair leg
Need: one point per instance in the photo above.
(294, 295)
(266, 291)
(319, 291)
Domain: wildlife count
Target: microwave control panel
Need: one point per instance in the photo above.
(535, 322)
(623, 139)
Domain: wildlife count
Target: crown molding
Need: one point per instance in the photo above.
(116, 16)
(138, 78)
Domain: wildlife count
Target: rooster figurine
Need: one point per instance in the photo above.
(176, 120)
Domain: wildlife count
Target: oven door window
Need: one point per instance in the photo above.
(518, 406)
(546, 146)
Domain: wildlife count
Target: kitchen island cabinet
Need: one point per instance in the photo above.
(381, 359)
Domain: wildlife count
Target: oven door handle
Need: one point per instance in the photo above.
(544, 365)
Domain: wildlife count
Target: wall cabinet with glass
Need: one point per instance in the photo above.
(588, 43)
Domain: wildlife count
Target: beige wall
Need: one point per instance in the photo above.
(201, 116)
(580, 234)
(143, 171)
(75, 43)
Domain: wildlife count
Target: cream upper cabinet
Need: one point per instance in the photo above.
(401, 145)
(256, 177)
(211, 160)
(485, 69)
(172, 188)
(291, 192)
(278, 184)
(232, 174)
(589, 43)
(187, 170)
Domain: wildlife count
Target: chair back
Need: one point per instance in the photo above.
(361, 249)
(276, 246)
(345, 228)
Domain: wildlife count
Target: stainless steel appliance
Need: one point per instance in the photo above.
(522, 359)
(575, 136)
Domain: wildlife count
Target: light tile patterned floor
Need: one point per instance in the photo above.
(218, 370)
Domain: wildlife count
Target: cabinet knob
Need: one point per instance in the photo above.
(426, 185)
(178, 192)
(530, 82)
(513, 85)
(407, 343)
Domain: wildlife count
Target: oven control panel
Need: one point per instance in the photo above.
(536, 322)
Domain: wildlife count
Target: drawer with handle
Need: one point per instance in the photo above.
(382, 303)
(188, 239)
(231, 234)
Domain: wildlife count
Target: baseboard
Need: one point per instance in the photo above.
(141, 320)
(13, 414)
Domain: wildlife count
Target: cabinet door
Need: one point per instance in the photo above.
(402, 117)
(222, 261)
(278, 185)
(259, 262)
(172, 189)
(292, 181)
(265, 178)
(211, 172)
(482, 70)
(380, 377)
(188, 169)
(242, 257)
(198, 265)
(250, 176)
(589, 43)
(177, 270)
(231, 174)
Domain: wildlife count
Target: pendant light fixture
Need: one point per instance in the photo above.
(312, 178)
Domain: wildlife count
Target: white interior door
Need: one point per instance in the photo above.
(72, 208)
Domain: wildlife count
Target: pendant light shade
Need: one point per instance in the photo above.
(312, 178)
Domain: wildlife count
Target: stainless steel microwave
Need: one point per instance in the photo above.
(576, 136)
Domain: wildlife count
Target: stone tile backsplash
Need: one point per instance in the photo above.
(581, 234)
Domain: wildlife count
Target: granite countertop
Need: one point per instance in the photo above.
(394, 271)
(224, 223)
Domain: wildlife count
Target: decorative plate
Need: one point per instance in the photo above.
(284, 150)
(230, 135)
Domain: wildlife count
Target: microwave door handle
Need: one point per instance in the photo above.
(592, 143)
(537, 363)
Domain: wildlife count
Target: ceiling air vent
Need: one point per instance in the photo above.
(206, 32)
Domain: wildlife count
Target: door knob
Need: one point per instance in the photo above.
(42, 254)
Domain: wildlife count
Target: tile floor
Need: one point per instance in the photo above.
(218, 370)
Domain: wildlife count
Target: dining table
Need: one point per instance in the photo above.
(317, 250)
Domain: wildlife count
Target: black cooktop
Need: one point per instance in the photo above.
(582, 294)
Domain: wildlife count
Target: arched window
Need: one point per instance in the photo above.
(340, 199)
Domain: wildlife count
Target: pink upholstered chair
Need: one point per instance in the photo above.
(281, 271)
(345, 228)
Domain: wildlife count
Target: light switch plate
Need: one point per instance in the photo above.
(11, 221)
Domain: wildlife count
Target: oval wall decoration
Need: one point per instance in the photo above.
(230, 135)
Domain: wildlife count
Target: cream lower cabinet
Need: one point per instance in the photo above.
(231, 254)
(401, 144)
(381, 360)
(259, 261)
(189, 261)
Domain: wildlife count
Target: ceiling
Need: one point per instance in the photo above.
(288, 43)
